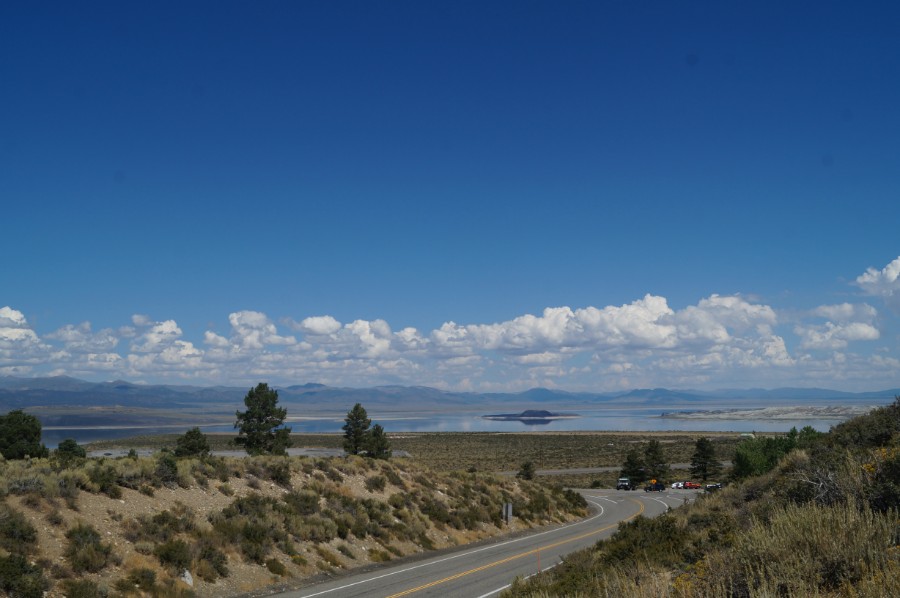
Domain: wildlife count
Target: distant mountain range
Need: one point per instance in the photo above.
(70, 399)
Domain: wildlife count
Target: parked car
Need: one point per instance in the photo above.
(677, 485)
(655, 487)
(713, 487)
(691, 486)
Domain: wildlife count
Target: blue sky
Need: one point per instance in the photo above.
(469, 195)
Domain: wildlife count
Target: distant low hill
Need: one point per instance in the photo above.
(60, 395)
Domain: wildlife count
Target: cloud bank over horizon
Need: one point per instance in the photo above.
(721, 340)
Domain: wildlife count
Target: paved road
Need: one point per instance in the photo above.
(485, 570)
(605, 469)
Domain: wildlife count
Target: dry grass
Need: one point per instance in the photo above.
(234, 522)
(488, 451)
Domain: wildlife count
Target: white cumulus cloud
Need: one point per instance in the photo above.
(254, 330)
(81, 338)
(318, 325)
(884, 283)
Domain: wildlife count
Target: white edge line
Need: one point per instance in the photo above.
(462, 554)
(498, 590)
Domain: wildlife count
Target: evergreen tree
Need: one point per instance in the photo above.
(356, 430)
(260, 427)
(633, 468)
(656, 466)
(192, 443)
(704, 464)
(69, 450)
(527, 471)
(379, 447)
(20, 436)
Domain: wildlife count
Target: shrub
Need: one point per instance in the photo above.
(85, 550)
(166, 470)
(576, 499)
(54, 518)
(143, 579)
(393, 477)
(254, 522)
(20, 579)
(807, 550)
(329, 557)
(106, 479)
(658, 540)
(16, 533)
(280, 472)
(376, 483)
(276, 567)
(175, 554)
(304, 502)
(345, 550)
(160, 527)
(82, 588)
(209, 555)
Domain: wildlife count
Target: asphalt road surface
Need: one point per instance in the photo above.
(486, 570)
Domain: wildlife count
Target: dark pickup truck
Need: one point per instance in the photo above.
(655, 487)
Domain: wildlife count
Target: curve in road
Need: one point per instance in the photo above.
(486, 570)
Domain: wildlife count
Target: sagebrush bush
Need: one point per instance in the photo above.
(807, 549)
(17, 535)
(276, 567)
(82, 588)
(104, 478)
(175, 554)
(21, 579)
(85, 551)
(376, 483)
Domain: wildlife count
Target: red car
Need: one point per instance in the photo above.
(691, 486)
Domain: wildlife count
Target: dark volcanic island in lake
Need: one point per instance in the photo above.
(530, 417)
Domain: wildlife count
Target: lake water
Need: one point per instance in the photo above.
(631, 420)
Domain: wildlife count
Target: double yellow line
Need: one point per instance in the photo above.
(517, 556)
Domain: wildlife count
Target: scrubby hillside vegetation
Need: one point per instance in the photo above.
(821, 520)
(214, 526)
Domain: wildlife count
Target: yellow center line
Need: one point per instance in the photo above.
(516, 556)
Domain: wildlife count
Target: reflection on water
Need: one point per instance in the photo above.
(630, 420)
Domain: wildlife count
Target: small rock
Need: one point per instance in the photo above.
(187, 578)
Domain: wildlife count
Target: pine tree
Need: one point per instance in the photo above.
(633, 468)
(260, 427)
(704, 464)
(20, 436)
(378, 447)
(657, 468)
(356, 430)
